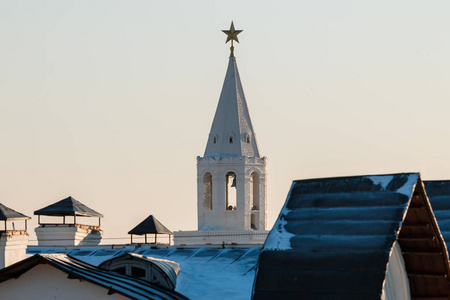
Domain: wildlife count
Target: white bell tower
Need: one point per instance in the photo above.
(231, 175)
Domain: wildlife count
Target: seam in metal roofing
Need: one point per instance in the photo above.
(438, 191)
(150, 225)
(112, 282)
(333, 238)
(68, 207)
(8, 214)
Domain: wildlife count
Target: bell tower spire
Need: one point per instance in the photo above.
(231, 176)
(232, 131)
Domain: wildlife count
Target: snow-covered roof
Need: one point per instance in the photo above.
(333, 238)
(76, 269)
(68, 207)
(232, 120)
(205, 273)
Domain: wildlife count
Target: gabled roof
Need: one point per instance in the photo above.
(439, 194)
(150, 225)
(232, 118)
(112, 282)
(8, 214)
(333, 238)
(68, 207)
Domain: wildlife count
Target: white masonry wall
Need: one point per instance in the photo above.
(219, 218)
(44, 282)
(13, 247)
(396, 284)
(67, 235)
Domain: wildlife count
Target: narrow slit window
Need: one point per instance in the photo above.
(207, 191)
(231, 139)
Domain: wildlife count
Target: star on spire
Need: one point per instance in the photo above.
(232, 36)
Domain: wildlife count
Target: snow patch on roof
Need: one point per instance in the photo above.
(279, 238)
(408, 188)
(204, 281)
(222, 274)
(384, 180)
(381, 180)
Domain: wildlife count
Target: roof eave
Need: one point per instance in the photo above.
(62, 214)
(15, 219)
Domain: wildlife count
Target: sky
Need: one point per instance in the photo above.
(110, 102)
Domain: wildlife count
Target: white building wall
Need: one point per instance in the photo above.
(44, 282)
(13, 247)
(396, 284)
(67, 235)
(220, 237)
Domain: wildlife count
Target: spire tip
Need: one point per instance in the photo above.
(232, 36)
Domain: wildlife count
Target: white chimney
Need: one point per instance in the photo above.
(13, 236)
(64, 224)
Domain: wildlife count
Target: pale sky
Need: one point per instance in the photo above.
(112, 101)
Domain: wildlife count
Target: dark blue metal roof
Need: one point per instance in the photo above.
(68, 207)
(150, 225)
(8, 214)
(333, 237)
(439, 194)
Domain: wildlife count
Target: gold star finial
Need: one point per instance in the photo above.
(232, 36)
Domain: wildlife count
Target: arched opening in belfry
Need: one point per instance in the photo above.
(207, 191)
(231, 191)
(254, 191)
